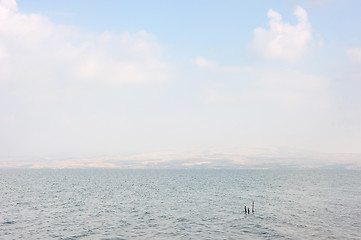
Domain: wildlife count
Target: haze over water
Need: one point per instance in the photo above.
(107, 84)
(179, 204)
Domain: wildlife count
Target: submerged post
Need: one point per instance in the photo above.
(252, 206)
(248, 210)
(245, 209)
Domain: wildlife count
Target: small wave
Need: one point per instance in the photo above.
(8, 222)
(181, 219)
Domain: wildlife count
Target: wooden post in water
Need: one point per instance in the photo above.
(252, 206)
(245, 209)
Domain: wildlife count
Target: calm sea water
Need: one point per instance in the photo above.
(179, 204)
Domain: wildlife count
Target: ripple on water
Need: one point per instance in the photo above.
(207, 204)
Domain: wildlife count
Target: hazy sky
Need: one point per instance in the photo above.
(86, 79)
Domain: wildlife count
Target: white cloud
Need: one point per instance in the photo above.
(3, 53)
(284, 88)
(206, 64)
(319, 3)
(216, 93)
(290, 89)
(38, 50)
(203, 63)
(282, 40)
(355, 54)
(8, 5)
(59, 82)
(220, 92)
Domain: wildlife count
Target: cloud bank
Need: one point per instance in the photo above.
(63, 88)
(33, 48)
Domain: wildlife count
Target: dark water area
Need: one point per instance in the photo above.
(179, 204)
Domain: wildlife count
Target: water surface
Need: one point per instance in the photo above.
(179, 204)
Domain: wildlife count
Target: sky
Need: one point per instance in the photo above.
(215, 84)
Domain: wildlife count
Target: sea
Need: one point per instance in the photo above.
(179, 204)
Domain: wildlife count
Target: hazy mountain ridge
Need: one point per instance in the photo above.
(274, 159)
